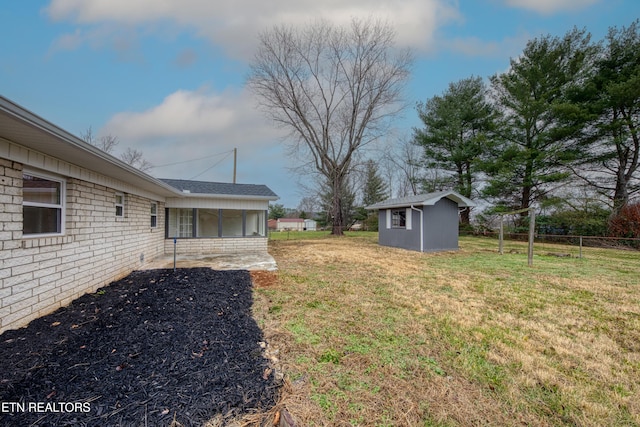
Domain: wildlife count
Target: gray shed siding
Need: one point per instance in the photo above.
(440, 229)
(441, 226)
(399, 237)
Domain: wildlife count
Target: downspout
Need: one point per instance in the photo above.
(421, 226)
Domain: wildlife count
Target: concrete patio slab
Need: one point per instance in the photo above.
(243, 261)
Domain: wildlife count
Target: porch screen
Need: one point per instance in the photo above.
(207, 223)
(255, 223)
(231, 223)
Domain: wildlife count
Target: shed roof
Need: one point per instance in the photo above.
(222, 189)
(428, 199)
(290, 220)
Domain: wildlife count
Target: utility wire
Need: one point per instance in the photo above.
(193, 160)
(213, 165)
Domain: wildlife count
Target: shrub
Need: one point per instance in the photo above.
(627, 222)
(587, 222)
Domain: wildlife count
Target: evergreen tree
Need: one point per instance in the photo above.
(276, 211)
(608, 117)
(375, 189)
(533, 149)
(454, 137)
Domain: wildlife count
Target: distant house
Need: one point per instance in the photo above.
(310, 224)
(290, 224)
(295, 224)
(74, 218)
(425, 223)
(356, 226)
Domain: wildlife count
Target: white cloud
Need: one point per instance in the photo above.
(194, 126)
(547, 7)
(183, 113)
(235, 25)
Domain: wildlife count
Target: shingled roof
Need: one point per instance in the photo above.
(428, 199)
(222, 188)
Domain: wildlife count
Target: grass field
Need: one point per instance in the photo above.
(375, 336)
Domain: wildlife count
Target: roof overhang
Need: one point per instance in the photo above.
(26, 129)
(224, 196)
(424, 200)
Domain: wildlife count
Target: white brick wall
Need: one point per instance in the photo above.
(203, 246)
(39, 275)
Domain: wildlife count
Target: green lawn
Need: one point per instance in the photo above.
(375, 336)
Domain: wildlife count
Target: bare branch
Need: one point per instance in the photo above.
(135, 158)
(335, 89)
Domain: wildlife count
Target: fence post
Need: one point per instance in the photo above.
(580, 246)
(532, 228)
(501, 236)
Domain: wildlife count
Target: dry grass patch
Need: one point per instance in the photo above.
(374, 336)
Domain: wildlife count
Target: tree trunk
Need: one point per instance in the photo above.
(337, 219)
(467, 188)
(621, 194)
(465, 217)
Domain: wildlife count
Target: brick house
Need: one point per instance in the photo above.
(75, 218)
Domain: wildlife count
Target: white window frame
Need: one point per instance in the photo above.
(61, 205)
(180, 221)
(119, 205)
(396, 218)
(154, 215)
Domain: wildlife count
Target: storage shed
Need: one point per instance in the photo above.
(425, 223)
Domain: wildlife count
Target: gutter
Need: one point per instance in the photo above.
(421, 226)
(183, 194)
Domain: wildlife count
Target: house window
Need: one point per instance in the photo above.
(180, 223)
(42, 204)
(119, 205)
(154, 215)
(399, 218)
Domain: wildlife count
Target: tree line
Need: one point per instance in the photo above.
(557, 131)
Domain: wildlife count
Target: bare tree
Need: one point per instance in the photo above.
(135, 158)
(309, 205)
(335, 89)
(402, 163)
(106, 143)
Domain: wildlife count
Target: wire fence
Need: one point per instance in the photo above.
(552, 244)
(560, 244)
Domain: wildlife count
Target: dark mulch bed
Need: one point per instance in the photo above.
(156, 345)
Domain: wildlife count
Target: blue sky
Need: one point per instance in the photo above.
(167, 77)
